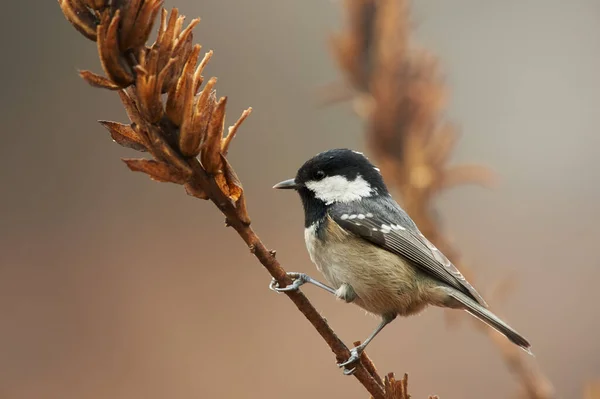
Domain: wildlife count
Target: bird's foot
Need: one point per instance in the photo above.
(354, 357)
(298, 280)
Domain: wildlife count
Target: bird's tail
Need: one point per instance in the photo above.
(490, 319)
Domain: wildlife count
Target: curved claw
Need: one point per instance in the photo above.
(299, 279)
(354, 357)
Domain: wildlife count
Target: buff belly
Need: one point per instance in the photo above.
(384, 282)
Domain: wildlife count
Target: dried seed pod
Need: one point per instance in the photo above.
(80, 16)
(193, 130)
(125, 135)
(211, 148)
(148, 83)
(108, 47)
(159, 171)
(180, 101)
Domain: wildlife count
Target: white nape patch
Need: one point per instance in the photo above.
(377, 169)
(339, 189)
(358, 152)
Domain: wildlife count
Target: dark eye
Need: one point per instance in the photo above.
(319, 175)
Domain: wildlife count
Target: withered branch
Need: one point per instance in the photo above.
(185, 134)
(401, 95)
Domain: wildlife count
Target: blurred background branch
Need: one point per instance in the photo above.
(399, 91)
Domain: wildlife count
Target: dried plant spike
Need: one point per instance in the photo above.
(211, 148)
(125, 135)
(158, 171)
(98, 81)
(159, 69)
(80, 17)
(226, 142)
(108, 48)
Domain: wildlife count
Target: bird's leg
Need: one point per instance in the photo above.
(357, 351)
(300, 279)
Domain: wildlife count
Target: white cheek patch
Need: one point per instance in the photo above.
(339, 189)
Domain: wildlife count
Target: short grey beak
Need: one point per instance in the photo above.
(289, 184)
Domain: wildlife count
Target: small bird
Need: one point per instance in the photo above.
(371, 251)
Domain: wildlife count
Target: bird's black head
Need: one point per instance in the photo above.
(334, 176)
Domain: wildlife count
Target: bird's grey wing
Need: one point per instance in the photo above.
(389, 227)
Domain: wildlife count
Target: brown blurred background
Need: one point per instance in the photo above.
(113, 286)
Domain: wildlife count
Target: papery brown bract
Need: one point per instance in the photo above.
(125, 135)
(98, 81)
(159, 171)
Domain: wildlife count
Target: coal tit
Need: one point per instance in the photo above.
(371, 252)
